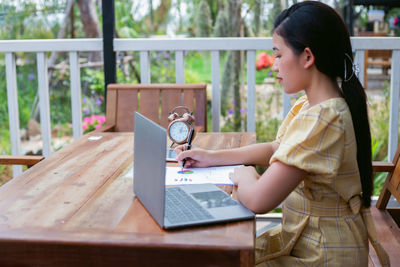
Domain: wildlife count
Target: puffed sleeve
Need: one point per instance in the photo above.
(313, 141)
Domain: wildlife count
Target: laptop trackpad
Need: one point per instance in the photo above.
(214, 199)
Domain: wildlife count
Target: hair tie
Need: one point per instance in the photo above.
(355, 68)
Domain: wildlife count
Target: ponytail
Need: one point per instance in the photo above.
(356, 99)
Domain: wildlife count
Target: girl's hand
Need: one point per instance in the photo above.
(246, 174)
(197, 157)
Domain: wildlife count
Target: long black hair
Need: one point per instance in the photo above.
(317, 26)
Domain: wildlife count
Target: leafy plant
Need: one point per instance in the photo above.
(93, 122)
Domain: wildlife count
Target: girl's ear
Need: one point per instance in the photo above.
(308, 58)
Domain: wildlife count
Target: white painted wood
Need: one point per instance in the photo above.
(394, 104)
(173, 44)
(359, 61)
(194, 44)
(251, 91)
(216, 93)
(144, 67)
(76, 94)
(383, 43)
(44, 102)
(179, 67)
(285, 104)
(42, 45)
(13, 114)
(210, 44)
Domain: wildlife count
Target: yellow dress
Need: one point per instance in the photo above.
(323, 221)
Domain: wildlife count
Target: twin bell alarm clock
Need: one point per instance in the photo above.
(180, 125)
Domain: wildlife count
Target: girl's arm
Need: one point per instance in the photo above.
(262, 194)
(257, 154)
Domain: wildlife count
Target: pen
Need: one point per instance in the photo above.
(188, 145)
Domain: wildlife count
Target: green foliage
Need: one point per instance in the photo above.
(274, 13)
(379, 178)
(266, 125)
(198, 65)
(28, 20)
(125, 25)
(5, 148)
(27, 87)
(379, 123)
(221, 27)
(203, 20)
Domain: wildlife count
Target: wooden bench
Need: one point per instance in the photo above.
(154, 101)
(380, 58)
(387, 219)
(29, 161)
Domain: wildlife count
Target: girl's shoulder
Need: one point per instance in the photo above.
(299, 105)
(334, 107)
(332, 112)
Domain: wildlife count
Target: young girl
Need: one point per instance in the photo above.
(320, 162)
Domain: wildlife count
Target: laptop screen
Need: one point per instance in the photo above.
(150, 143)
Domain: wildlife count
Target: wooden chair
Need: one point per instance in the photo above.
(387, 220)
(29, 161)
(155, 101)
(380, 58)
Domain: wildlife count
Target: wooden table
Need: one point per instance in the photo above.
(77, 208)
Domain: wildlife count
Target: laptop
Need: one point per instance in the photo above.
(178, 206)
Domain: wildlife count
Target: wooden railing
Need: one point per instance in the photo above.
(144, 46)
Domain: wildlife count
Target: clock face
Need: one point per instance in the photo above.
(178, 131)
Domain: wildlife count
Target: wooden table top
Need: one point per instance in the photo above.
(77, 207)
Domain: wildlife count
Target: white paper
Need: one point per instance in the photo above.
(213, 175)
(94, 138)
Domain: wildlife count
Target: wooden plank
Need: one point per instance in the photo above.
(111, 106)
(144, 67)
(155, 86)
(386, 191)
(251, 91)
(149, 103)
(388, 234)
(44, 104)
(201, 108)
(378, 166)
(188, 100)
(13, 113)
(14, 186)
(50, 248)
(70, 188)
(216, 92)
(179, 67)
(359, 60)
(170, 98)
(76, 98)
(113, 199)
(20, 160)
(126, 107)
(394, 104)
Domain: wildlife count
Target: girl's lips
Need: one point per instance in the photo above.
(279, 79)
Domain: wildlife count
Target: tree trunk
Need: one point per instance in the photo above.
(235, 11)
(90, 23)
(61, 33)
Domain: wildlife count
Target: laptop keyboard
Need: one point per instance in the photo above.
(181, 208)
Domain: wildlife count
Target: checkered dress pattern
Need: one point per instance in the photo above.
(323, 223)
